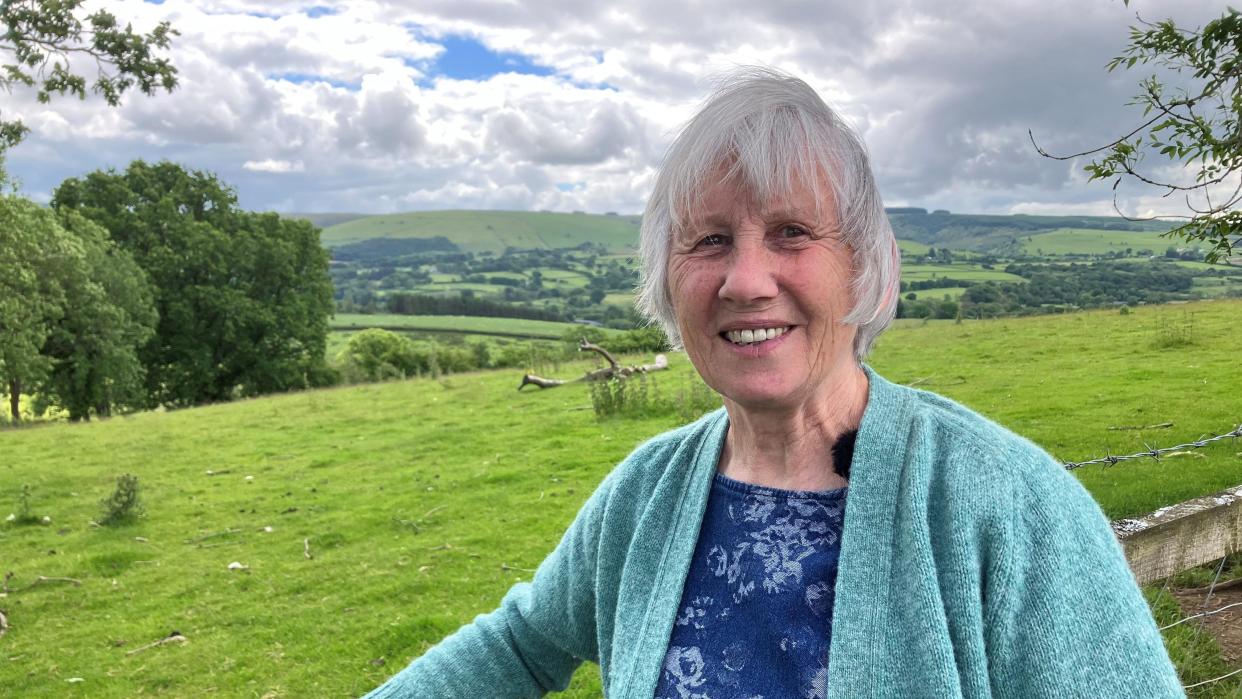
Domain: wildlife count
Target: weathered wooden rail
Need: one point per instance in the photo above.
(1182, 536)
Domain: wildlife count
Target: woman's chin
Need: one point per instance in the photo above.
(762, 396)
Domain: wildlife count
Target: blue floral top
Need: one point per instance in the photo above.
(756, 610)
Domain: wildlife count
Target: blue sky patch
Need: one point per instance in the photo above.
(570, 186)
(320, 11)
(466, 58)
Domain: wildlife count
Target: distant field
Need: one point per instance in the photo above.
(1085, 241)
(477, 325)
(911, 247)
(619, 299)
(965, 272)
(953, 292)
(478, 231)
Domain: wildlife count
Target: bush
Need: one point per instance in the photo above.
(123, 505)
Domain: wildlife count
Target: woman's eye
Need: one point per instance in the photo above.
(711, 241)
(792, 231)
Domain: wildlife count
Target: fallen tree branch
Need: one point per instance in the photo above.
(584, 346)
(174, 637)
(612, 371)
(1160, 426)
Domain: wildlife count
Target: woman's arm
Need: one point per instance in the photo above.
(533, 643)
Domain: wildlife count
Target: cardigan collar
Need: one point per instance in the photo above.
(869, 508)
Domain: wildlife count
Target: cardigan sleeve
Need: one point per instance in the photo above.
(529, 646)
(1064, 616)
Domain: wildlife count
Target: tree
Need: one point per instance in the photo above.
(44, 36)
(1197, 126)
(94, 347)
(73, 311)
(32, 247)
(243, 298)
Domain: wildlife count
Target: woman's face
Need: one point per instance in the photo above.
(759, 290)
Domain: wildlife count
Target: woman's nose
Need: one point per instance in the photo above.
(751, 274)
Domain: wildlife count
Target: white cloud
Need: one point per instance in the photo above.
(351, 110)
(270, 165)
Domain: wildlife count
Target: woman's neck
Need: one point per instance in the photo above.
(791, 448)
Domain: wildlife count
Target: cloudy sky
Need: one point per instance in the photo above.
(395, 105)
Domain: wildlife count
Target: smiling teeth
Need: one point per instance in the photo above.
(753, 336)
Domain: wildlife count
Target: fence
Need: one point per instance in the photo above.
(1182, 536)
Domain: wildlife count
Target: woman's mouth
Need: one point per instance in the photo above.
(754, 336)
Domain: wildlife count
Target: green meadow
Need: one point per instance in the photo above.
(370, 521)
(492, 231)
(1086, 241)
(963, 271)
(474, 325)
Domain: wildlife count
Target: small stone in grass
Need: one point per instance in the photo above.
(237, 565)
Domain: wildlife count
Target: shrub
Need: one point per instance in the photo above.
(639, 396)
(1171, 333)
(124, 504)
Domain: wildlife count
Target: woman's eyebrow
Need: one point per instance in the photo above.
(791, 212)
(710, 221)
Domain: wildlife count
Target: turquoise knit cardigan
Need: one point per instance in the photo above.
(971, 565)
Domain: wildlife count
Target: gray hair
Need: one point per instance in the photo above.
(772, 130)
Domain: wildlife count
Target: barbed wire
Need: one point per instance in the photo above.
(1154, 453)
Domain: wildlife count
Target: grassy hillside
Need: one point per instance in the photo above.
(479, 231)
(422, 501)
(471, 325)
(1083, 241)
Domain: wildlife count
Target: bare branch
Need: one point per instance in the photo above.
(1093, 151)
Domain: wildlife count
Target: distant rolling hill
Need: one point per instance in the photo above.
(494, 231)
(479, 231)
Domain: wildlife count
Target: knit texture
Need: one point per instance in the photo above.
(971, 564)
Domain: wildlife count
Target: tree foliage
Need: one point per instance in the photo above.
(243, 298)
(94, 348)
(44, 37)
(1196, 125)
(73, 312)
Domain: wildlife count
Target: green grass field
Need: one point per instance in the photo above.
(1083, 241)
(910, 248)
(422, 501)
(963, 271)
(953, 292)
(478, 231)
(475, 325)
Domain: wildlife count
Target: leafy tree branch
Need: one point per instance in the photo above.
(1196, 127)
(42, 38)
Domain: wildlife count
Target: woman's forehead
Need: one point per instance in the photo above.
(728, 201)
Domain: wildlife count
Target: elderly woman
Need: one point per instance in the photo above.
(828, 533)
